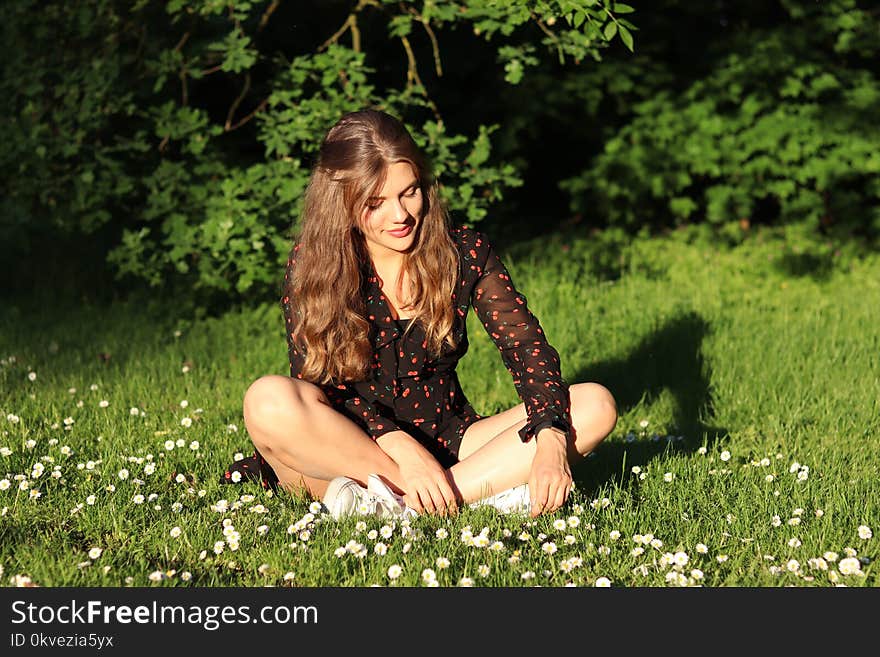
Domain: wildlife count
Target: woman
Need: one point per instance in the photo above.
(375, 298)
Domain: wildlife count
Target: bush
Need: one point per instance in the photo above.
(180, 134)
(777, 130)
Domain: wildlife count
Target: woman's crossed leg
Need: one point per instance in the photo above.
(308, 443)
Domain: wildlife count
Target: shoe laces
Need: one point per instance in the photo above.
(372, 504)
(379, 499)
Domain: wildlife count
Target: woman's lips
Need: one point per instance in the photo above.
(401, 232)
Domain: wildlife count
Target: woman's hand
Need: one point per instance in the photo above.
(550, 478)
(425, 482)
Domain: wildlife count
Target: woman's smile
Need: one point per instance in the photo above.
(401, 232)
(391, 217)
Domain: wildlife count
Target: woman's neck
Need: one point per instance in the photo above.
(387, 262)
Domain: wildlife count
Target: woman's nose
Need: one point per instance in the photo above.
(400, 211)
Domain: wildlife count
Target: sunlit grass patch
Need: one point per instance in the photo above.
(745, 453)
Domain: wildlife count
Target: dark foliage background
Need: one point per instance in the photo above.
(165, 146)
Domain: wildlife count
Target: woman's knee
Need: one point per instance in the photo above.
(594, 411)
(275, 400)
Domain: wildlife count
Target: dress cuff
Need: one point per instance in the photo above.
(534, 426)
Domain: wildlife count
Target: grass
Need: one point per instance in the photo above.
(746, 379)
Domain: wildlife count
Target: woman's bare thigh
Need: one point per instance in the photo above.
(482, 431)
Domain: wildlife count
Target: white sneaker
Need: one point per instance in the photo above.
(346, 497)
(512, 500)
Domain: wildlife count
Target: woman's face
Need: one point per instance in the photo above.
(392, 217)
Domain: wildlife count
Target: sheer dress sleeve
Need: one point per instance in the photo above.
(341, 396)
(532, 362)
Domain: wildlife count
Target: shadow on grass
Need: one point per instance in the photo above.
(818, 267)
(668, 359)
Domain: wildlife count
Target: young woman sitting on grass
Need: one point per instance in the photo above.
(372, 419)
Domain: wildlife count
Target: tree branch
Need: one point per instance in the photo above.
(413, 78)
(182, 41)
(335, 37)
(247, 86)
(258, 109)
(350, 23)
(184, 91)
(412, 72)
(555, 39)
(267, 14)
(435, 47)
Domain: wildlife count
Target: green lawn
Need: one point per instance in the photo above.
(747, 380)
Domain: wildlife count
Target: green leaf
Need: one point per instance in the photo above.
(610, 31)
(626, 37)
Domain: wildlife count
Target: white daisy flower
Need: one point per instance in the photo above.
(849, 566)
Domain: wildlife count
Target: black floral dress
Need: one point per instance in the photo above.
(410, 391)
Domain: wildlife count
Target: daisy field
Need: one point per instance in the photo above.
(745, 453)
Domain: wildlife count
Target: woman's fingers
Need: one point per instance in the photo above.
(412, 501)
(558, 497)
(539, 493)
(548, 495)
(451, 503)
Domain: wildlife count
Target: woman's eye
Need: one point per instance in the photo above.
(412, 192)
(373, 206)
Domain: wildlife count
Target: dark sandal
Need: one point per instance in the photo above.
(253, 468)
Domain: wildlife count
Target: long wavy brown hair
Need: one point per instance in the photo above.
(327, 287)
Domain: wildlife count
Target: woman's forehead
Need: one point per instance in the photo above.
(398, 177)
